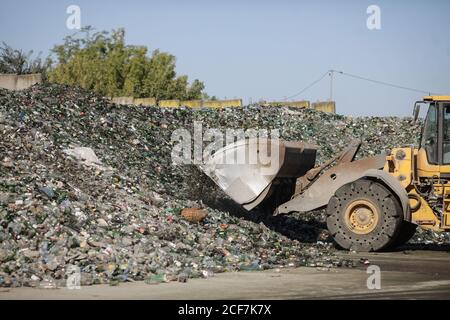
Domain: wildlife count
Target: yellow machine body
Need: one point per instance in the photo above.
(412, 168)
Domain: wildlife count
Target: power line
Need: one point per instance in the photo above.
(331, 73)
(381, 82)
(307, 87)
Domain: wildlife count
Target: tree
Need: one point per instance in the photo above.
(101, 61)
(19, 62)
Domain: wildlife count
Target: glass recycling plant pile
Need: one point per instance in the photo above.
(88, 185)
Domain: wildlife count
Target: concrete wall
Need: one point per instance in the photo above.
(192, 103)
(19, 82)
(328, 106)
(297, 104)
(145, 101)
(222, 103)
(169, 103)
(178, 103)
(324, 106)
(123, 100)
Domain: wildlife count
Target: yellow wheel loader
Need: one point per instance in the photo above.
(372, 204)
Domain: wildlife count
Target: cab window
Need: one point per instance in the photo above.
(446, 134)
(430, 135)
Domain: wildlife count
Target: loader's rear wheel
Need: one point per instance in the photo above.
(364, 216)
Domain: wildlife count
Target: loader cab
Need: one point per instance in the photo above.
(434, 150)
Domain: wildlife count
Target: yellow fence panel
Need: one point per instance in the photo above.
(222, 103)
(297, 104)
(192, 103)
(329, 106)
(169, 103)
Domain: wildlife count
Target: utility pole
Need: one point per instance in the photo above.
(331, 84)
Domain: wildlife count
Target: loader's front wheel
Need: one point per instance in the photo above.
(406, 232)
(364, 216)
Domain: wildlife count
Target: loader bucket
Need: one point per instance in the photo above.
(245, 170)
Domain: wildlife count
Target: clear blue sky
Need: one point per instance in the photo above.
(269, 49)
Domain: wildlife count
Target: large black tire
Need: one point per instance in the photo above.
(364, 216)
(406, 232)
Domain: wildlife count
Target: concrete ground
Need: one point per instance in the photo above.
(404, 275)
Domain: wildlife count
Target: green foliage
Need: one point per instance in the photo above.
(102, 62)
(19, 62)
